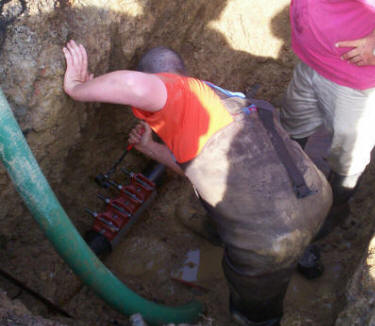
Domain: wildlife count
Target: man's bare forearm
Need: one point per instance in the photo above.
(162, 154)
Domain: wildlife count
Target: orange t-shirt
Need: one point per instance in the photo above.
(192, 114)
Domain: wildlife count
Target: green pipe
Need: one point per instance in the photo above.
(51, 217)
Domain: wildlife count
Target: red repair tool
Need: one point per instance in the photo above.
(121, 212)
(116, 205)
(102, 179)
(139, 179)
(107, 223)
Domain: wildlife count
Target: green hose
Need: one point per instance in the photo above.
(51, 217)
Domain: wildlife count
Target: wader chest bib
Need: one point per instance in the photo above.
(248, 191)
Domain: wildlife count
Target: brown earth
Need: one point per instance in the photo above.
(233, 43)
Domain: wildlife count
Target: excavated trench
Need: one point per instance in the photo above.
(73, 142)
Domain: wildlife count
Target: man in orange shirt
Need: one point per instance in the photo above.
(217, 140)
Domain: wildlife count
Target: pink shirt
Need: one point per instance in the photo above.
(317, 25)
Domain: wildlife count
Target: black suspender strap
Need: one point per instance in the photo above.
(265, 112)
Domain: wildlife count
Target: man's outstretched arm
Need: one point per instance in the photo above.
(141, 137)
(144, 91)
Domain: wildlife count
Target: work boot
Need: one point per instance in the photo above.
(310, 265)
(241, 320)
(194, 217)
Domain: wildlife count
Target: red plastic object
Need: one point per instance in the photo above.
(120, 211)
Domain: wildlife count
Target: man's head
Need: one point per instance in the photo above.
(161, 59)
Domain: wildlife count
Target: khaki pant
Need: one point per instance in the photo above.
(349, 114)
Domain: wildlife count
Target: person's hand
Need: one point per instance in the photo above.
(362, 52)
(141, 136)
(76, 66)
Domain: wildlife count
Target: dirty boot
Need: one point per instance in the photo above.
(241, 320)
(309, 265)
(194, 217)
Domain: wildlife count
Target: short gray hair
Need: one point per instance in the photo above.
(161, 59)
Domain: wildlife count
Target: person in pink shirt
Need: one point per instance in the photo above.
(334, 85)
